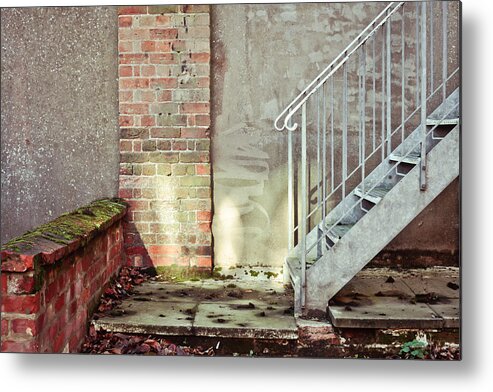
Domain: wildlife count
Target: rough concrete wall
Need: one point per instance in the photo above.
(262, 57)
(59, 103)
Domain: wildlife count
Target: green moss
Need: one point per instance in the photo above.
(270, 274)
(69, 226)
(254, 273)
(175, 273)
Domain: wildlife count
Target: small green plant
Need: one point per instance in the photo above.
(413, 350)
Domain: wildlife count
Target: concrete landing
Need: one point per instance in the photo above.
(385, 298)
(231, 308)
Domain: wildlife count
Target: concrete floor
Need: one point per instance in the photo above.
(385, 298)
(260, 307)
(239, 307)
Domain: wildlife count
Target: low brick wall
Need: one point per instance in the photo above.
(52, 278)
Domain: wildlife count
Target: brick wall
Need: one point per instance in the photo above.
(50, 290)
(164, 79)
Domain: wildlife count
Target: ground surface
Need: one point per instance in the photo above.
(385, 298)
(251, 314)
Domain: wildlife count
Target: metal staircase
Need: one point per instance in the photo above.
(378, 141)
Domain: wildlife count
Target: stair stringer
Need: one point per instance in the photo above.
(396, 210)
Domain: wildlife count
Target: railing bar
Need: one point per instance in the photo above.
(304, 190)
(290, 191)
(363, 123)
(374, 95)
(344, 130)
(383, 97)
(423, 98)
(332, 158)
(319, 196)
(389, 87)
(417, 55)
(403, 78)
(347, 54)
(432, 45)
(324, 159)
(330, 67)
(327, 229)
(378, 146)
(444, 46)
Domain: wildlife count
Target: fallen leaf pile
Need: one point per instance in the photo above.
(102, 342)
(120, 288)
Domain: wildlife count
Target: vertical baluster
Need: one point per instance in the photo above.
(324, 161)
(423, 98)
(403, 77)
(374, 85)
(363, 114)
(344, 129)
(417, 54)
(389, 92)
(383, 97)
(290, 190)
(319, 190)
(432, 46)
(332, 157)
(444, 48)
(304, 204)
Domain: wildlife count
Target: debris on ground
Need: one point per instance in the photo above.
(120, 288)
(102, 342)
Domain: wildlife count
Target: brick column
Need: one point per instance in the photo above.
(164, 78)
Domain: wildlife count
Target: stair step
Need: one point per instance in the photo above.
(412, 158)
(445, 121)
(447, 113)
(375, 195)
(338, 231)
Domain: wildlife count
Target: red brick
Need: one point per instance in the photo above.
(202, 120)
(132, 58)
(19, 347)
(126, 121)
(124, 21)
(204, 261)
(26, 304)
(163, 83)
(195, 133)
(5, 327)
(132, 10)
(21, 284)
(134, 108)
(134, 83)
(203, 169)
(162, 58)
(200, 57)
(148, 121)
(164, 249)
(194, 108)
(204, 216)
(148, 70)
(25, 327)
(169, 33)
(3, 278)
(125, 70)
(125, 46)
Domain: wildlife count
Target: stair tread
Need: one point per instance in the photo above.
(340, 230)
(448, 112)
(413, 157)
(374, 195)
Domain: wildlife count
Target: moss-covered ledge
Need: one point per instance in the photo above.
(54, 240)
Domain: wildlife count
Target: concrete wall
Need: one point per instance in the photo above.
(262, 57)
(59, 104)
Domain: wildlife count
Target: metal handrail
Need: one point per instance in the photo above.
(333, 174)
(332, 68)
